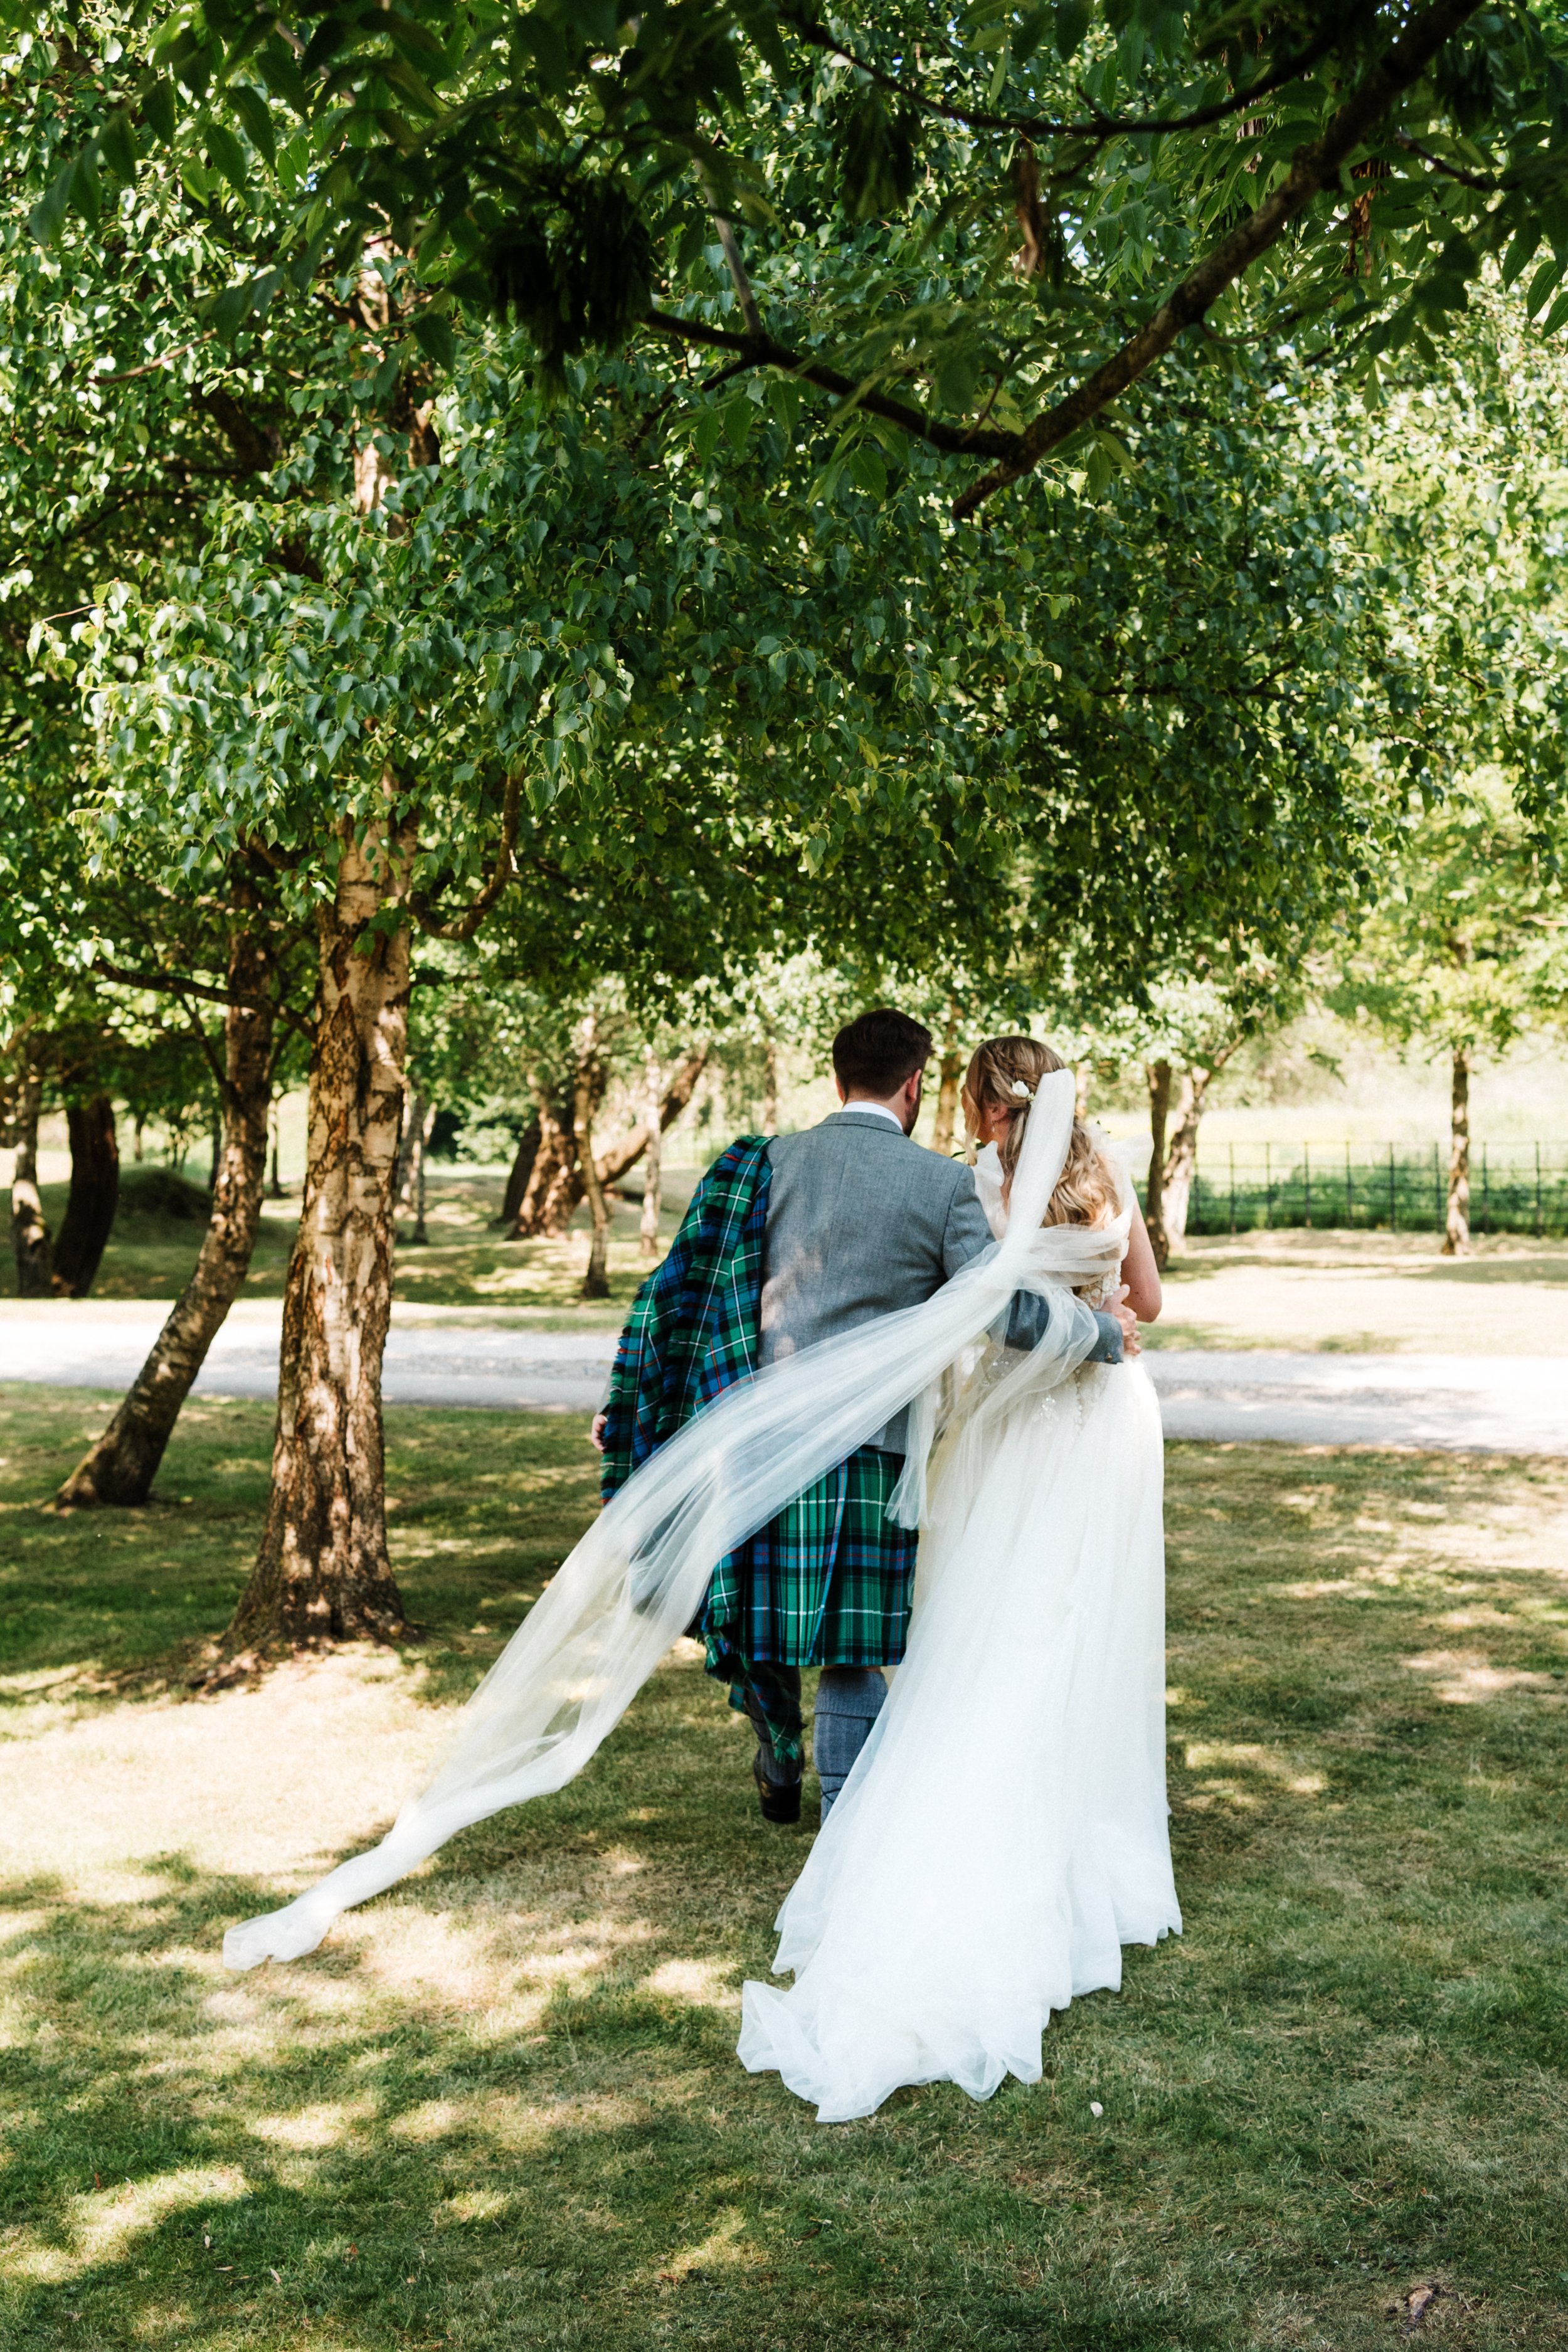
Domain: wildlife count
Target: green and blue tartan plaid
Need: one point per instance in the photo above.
(830, 1581)
(693, 1326)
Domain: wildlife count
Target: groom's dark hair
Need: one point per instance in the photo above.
(877, 1053)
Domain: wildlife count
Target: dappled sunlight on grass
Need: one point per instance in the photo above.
(500, 2108)
(102, 2228)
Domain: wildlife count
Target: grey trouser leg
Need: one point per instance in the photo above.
(849, 1701)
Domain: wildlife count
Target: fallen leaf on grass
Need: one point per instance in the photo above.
(1415, 2306)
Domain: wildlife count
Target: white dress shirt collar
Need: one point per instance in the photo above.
(872, 1110)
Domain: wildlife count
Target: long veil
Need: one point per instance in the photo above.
(637, 1579)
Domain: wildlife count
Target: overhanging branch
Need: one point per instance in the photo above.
(175, 983)
(1313, 168)
(760, 351)
(1097, 127)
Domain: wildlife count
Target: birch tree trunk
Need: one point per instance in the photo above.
(1181, 1160)
(770, 1086)
(419, 1118)
(586, 1097)
(322, 1574)
(951, 1076)
(121, 1467)
(1457, 1231)
(94, 1196)
(653, 1162)
(30, 1240)
(1159, 1077)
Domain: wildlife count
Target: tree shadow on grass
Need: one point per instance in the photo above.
(502, 2107)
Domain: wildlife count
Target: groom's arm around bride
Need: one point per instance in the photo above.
(789, 1242)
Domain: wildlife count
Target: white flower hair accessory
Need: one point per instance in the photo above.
(1024, 1093)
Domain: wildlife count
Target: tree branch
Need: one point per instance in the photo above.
(760, 351)
(1033, 126)
(151, 367)
(742, 284)
(1313, 168)
(464, 926)
(174, 983)
(1450, 171)
(612, 1164)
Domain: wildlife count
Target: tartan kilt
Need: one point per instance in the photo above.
(828, 1583)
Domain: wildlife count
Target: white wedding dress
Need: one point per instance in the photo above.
(1004, 1833)
(1007, 1832)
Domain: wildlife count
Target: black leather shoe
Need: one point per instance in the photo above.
(780, 1800)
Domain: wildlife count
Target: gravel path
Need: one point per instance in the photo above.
(1509, 1404)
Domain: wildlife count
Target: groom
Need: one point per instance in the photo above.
(786, 1242)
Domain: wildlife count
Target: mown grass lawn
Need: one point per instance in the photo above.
(502, 2110)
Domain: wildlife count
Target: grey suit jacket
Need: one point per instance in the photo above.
(861, 1222)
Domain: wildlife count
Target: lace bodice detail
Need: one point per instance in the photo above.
(989, 1182)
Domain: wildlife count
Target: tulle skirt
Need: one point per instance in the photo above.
(1004, 1831)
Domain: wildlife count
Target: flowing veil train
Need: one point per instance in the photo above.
(1004, 1832)
(635, 1581)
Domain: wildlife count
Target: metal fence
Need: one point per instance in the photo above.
(1515, 1188)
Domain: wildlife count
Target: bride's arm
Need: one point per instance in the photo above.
(1140, 1274)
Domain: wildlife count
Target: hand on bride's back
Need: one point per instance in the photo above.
(1130, 1343)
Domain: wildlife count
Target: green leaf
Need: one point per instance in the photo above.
(1541, 284)
(739, 415)
(866, 470)
(705, 433)
(1520, 254)
(955, 379)
(44, 220)
(878, 155)
(257, 116)
(229, 311)
(86, 196)
(226, 154)
(120, 146)
(1555, 316)
(432, 331)
(158, 108)
(785, 398)
(1072, 24)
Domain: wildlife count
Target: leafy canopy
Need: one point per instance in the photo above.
(980, 233)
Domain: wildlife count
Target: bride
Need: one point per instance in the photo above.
(1003, 1832)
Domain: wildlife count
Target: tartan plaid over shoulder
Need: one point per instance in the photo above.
(693, 1327)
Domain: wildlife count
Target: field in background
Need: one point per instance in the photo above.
(1381, 1293)
(502, 2108)
(465, 1263)
(1282, 1289)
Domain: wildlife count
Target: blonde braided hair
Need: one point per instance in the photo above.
(1086, 1192)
